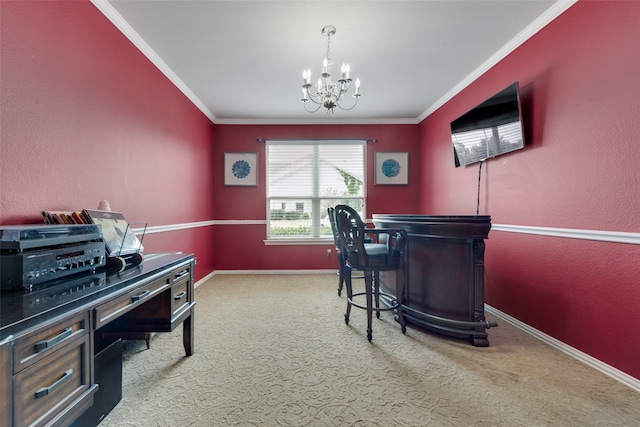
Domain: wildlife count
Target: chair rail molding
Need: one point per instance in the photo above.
(182, 226)
(572, 233)
(569, 233)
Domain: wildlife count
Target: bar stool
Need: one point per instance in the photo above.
(387, 253)
(343, 268)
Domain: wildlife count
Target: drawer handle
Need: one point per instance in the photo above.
(44, 344)
(181, 274)
(46, 390)
(140, 296)
(180, 295)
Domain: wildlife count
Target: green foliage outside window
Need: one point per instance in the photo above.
(279, 214)
(353, 184)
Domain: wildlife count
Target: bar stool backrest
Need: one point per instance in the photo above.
(351, 235)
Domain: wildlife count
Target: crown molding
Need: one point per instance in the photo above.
(109, 11)
(322, 121)
(116, 19)
(543, 20)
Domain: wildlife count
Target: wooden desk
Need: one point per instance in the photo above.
(48, 335)
(445, 273)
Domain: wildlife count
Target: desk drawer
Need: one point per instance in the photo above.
(50, 387)
(124, 303)
(181, 288)
(34, 346)
(181, 274)
(179, 296)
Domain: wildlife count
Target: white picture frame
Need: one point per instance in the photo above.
(241, 169)
(392, 168)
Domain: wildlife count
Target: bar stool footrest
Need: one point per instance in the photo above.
(389, 297)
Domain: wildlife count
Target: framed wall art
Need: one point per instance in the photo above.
(392, 168)
(241, 169)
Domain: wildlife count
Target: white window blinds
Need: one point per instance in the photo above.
(305, 177)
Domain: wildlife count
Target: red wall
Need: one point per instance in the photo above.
(85, 117)
(241, 246)
(580, 88)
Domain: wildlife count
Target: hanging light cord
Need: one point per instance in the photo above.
(479, 176)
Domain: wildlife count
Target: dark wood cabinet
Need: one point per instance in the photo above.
(444, 292)
(48, 391)
(48, 336)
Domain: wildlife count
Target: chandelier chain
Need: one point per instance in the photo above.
(328, 56)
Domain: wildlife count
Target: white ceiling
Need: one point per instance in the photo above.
(242, 61)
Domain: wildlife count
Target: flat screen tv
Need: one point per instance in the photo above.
(491, 129)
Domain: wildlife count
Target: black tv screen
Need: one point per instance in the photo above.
(490, 129)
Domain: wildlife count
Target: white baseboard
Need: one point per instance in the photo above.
(204, 279)
(612, 372)
(333, 271)
(230, 272)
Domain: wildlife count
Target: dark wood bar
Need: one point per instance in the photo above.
(444, 292)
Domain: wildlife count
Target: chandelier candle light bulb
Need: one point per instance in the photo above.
(329, 94)
(345, 71)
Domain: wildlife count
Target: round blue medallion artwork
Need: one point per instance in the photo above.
(241, 169)
(390, 168)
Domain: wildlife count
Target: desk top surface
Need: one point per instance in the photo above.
(22, 309)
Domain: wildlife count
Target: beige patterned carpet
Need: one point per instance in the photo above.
(275, 351)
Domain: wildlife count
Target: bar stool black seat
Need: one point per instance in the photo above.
(387, 252)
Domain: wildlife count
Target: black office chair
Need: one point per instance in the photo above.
(387, 253)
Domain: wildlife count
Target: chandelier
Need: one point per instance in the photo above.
(328, 94)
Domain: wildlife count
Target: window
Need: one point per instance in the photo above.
(304, 178)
